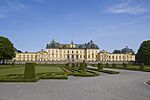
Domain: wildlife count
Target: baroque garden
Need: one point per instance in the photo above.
(58, 61)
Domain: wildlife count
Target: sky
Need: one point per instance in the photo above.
(111, 24)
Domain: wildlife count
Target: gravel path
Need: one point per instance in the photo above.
(125, 86)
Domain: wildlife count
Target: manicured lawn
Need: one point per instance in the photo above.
(76, 72)
(16, 73)
(130, 67)
(19, 69)
(11, 70)
(43, 69)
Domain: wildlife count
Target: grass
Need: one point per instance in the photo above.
(130, 67)
(82, 73)
(16, 73)
(104, 71)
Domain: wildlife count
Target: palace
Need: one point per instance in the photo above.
(62, 52)
(74, 53)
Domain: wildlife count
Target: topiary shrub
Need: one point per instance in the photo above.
(124, 65)
(100, 66)
(114, 65)
(142, 66)
(29, 72)
(73, 65)
(82, 66)
(106, 64)
(67, 64)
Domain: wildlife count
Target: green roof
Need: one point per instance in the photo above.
(54, 44)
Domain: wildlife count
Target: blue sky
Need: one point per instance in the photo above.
(112, 24)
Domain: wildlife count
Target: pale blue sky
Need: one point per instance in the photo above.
(112, 24)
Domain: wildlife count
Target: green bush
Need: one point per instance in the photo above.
(100, 66)
(109, 72)
(86, 74)
(19, 80)
(73, 65)
(106, 64)
(141, 66)
(67, 64)
(82, 66)
(52, 76)
(29, 72)
(114, 65)
(104, 71)
(124, 65)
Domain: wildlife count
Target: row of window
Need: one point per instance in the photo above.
(71, 51)
(113, 57)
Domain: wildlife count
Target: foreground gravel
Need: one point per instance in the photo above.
(128, 85)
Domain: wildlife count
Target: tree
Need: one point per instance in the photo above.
(7, 50)
(117, 51)
(143, 54)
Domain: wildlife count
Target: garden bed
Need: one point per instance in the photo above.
(104, 71)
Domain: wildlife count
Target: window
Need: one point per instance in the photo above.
(68, 56)
(92, 51)
(113, 57)
(92, 55)
(80, 51)
(76, 51)
(77, 56)
(120, 57)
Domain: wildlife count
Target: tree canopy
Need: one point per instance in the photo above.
(143, 54)
(7, 50)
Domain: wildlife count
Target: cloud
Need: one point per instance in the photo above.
(9, 7)
(127, 7)
(136, 20)
(132, 22)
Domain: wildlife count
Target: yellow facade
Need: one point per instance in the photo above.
(73, 52)
(106, 56)
(65, 52)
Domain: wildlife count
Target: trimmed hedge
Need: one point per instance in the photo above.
(109, 72)
(142, 66)
(100, 66)
(104, 71)
(52, 76)
(85, 74)
(124, 65)
(106, 64)
(29, 72)
(82, 66)
(17, 78)
(114, 65)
